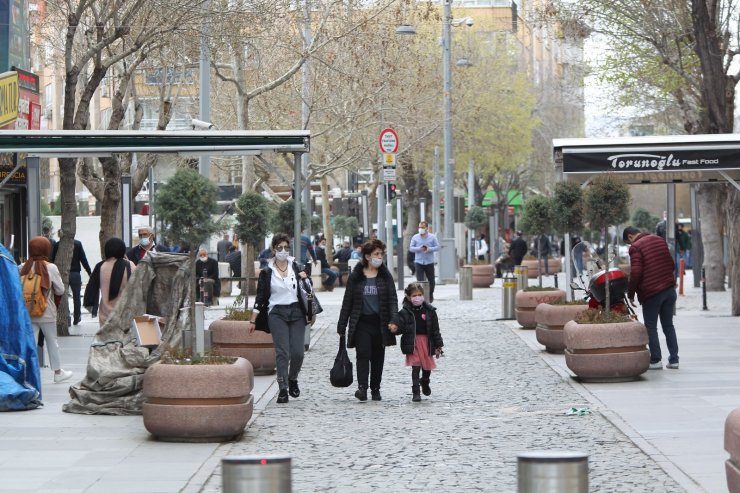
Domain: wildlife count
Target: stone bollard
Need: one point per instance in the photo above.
(256, 474)
(466, 282)
(552, 472)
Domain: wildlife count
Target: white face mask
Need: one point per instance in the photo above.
(376, 262)
(282, 255)
(203, 258)
(422, 231)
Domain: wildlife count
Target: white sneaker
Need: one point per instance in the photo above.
(672, 366)
(62, 376)
(656, 366)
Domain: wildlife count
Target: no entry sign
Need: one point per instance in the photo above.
(388, 141)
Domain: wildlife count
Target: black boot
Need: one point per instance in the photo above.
(361, 393)
(282, 396)
(415, 383)
(416, 397)
(293, 389)
(375, 394)
(425, 389)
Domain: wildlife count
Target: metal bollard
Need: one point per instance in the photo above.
(522, 277)
(508, 297)
(256, 474)
(466, 282)
(552, 472)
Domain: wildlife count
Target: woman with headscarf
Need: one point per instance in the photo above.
(39, 250)
(115, 272)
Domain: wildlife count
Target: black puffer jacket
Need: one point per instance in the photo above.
(264, 288)
(407, 329)
(352, 304)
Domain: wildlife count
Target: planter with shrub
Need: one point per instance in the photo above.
(606, 346)
(551, 318)
(526, 302)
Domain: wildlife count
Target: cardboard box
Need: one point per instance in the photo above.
(148, 330)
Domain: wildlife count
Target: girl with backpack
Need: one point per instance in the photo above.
(420, 338)
(40, 280)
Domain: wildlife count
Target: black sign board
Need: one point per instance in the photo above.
(635, 160)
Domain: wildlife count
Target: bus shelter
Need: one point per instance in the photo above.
(668, 160)
(28, 147)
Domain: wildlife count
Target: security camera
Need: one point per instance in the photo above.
(200, 124)
(469, 22)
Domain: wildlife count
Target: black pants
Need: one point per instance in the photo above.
(425, 375)
(75, 285)
(370, 351)
(425, 272)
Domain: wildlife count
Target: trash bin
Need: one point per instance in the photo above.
(508, 297)
(466, 282)
(258, 474)
(552, 472)
(522, 277)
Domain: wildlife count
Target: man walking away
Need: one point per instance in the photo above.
(651, 278)
(222, 248)
(79, 260)
(424, 244)
(518, 248)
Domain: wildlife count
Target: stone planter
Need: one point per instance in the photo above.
(526, 302)
(607, 352)
(533, 268)
(553, 266)
(550, 322)
(198, 403)
(483, 275)
(732, 445)
(232, 338)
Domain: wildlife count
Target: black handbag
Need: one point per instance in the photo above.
(311, 305)
(341, 373)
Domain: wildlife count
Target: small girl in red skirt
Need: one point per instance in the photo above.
(420, 338)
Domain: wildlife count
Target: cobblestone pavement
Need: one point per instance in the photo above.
(493, 397)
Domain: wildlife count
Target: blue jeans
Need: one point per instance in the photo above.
(661, 305)
(331, 276)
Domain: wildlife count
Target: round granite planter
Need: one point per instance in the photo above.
(198, 403)
(483, 275)
(526, 302)
(232, 338)
(607, 352)
(550, 322)
(732, 445)
(533, 268)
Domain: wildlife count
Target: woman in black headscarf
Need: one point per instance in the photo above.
(115, 272)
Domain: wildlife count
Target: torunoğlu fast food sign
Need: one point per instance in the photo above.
(666, 159)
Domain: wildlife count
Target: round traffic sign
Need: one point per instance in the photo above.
(388, 141)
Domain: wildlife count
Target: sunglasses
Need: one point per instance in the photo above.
(282, 248)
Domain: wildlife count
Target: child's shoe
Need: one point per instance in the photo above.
(416, 397)
(425, 389)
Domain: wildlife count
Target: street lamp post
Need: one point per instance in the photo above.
(447, 119)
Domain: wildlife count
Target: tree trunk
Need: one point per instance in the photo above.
(710, 199)
(733, 215)
(111, 202)
(325, 212)
(63, 259)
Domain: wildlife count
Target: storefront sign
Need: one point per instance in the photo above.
(9, 96)
(7, 166)
(652, 161)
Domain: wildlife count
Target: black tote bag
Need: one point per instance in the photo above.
(341, 373)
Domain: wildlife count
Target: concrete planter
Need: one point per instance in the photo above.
(232, 338)
(553, 266)
(483, 275)
(533, 268)
(732, 445)
(607, 352)
(198, 403)
(526, 302)
(550, 322)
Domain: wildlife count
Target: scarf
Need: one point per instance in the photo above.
(39, 249)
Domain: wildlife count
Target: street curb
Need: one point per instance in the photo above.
(643, 444)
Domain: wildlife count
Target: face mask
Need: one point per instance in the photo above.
(144, 242)
(282, 255)
(417, 300)
(203, 257)
(422, 231)
(322, 246)
(376, 262)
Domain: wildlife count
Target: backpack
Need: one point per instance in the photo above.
(34, 296)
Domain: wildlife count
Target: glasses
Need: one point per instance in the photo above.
(281, 248)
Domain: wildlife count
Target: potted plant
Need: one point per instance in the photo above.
(253, 215)
(192, 398)
(484, 273)
(567, 208)
(186, 204)
(526, 302)
(537, 219)
(606, 346)
(551, 317)
(231, 337)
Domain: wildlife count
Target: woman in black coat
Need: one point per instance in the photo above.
(370, 310)
(277, 309)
